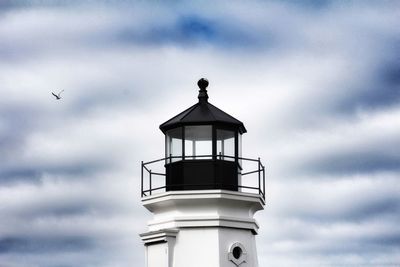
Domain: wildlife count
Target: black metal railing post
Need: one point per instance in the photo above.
(150, 183)
(259, 176)
(264, 182)
(141, 179)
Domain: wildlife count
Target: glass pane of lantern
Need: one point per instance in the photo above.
(174, 144)
(225, 144)
(198, 142)
(189, 147)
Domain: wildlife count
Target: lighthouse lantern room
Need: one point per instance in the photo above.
(203, 198)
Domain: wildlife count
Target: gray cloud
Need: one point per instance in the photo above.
(38, 245)
(320, 82)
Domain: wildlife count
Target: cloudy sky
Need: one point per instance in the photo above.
(316, 83)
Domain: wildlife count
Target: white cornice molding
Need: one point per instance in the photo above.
(158, 236)
(201, 194)
(206, 221)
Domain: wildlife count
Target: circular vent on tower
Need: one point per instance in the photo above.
(237, 254)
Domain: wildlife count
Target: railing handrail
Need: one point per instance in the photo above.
(260, 170)
(203, 156)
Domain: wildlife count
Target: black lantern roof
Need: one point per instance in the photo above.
(203, 112)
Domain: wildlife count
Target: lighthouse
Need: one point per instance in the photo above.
(202, 194)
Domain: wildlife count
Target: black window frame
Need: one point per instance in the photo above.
(214, 128)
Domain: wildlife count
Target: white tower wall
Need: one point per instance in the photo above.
(200, 228)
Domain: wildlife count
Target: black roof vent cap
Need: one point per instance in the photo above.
(203, 96)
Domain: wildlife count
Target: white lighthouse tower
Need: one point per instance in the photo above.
(203, 200)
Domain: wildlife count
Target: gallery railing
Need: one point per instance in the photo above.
(251, 174)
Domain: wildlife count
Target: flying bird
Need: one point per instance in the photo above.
(57, 96)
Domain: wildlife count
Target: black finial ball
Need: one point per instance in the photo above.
(202, 83)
